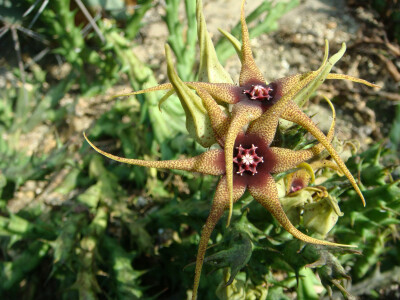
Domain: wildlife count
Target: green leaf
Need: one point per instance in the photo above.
(91, 196)
(210, 69)
(125, 277)
(198, 123)
(306, 286)
(327, 64)
(13, 272)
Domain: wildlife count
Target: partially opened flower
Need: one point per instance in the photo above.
(254, 103)
(317, 209)
(300, 179)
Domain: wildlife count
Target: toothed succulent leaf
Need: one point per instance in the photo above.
(235, 257)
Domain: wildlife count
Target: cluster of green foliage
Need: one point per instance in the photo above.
(98, 229)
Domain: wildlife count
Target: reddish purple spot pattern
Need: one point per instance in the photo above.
(262, 153)
(247, 160)
(259, 92)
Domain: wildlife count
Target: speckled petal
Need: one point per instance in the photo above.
(210, 162)
(221, 92)
(161, 87)
(294, 114)
(250, 73)
(288, 159)
(265, 126)
(219, 119)
(242, 114)
(285, 89)
(220, 203)
(351, 78)
(266, 193)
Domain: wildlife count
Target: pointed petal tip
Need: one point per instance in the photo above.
(358, 191)
(352, 78)
(160, 87)
(167, 50)
(123, 95)
(242, 5)
(228, 222)
(329, 244)
(374, 85)
(344, 245)
(109, 155)
(86, 138)
(314, 241)
(92, 145)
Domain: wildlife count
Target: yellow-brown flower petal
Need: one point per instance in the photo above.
(299, 179)
(351, 78)
(285, 89)
(294, 114)
(221, 92)
(161, 87)
(220, 203)
(250, 73)
(218, 118)
(242, 114)
(265, 192)
(210, 162)
(288, 159)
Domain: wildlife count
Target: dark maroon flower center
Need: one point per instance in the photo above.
(259, 92)
(252, 156)
(247, 160)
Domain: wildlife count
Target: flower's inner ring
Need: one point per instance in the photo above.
(259, 92)
(247, 160)
(296, 185)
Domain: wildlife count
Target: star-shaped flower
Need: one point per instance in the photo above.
(253, 163)
(245, 132)
(254, 102)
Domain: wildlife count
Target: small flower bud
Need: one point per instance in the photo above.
(321, 216)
